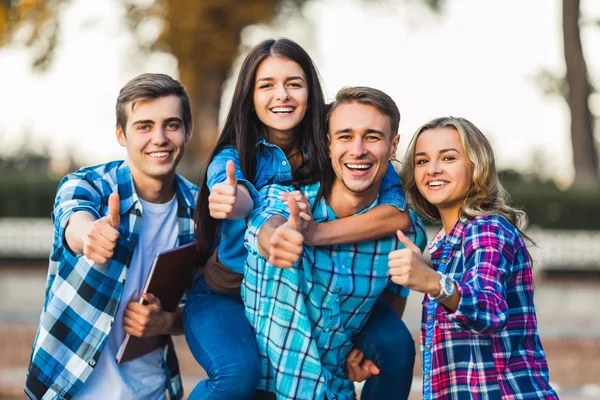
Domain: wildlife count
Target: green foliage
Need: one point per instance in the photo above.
(27, 196)
(550, 207)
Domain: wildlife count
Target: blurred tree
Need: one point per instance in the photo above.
(575, 87)
(204, 36)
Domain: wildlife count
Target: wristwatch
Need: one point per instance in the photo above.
(446, 289)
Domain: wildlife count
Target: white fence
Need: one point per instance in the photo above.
(556, 249)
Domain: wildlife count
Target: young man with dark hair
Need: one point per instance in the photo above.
(308, 313)
(109, 221)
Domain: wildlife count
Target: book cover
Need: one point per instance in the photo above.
(169, 276)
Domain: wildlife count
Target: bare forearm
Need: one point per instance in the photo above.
(176, 322)
(266, 233)
(78, 226)
(376, 223)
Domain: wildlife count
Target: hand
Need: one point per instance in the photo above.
(144, 320)
(358, 368)
(286, 242)
(100, 240)
(408, 268)
(223, 195)
(307, 226)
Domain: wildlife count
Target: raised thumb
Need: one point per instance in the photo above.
(114, 209)
(407, 242)
(230, 169)
(294, 219)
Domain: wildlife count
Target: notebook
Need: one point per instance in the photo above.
(169, 276)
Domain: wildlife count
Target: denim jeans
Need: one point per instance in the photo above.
(222, 341)
(386, 341)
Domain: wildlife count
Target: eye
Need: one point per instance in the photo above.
(372, 138)
(448, 158)
(295, 84)
(265, 86)
(344, 137)
(143, 128)
(173, 126)
(420, 161)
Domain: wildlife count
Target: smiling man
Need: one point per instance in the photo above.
(109, 221)
(308, 313)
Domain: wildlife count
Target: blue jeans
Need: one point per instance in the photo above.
(222, 341)
(386, 341)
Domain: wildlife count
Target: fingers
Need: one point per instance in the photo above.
(230, 170)
(152, 300)
(114, 209)
(407, 242)
(286, 247)
(100, 241)
(369, 368)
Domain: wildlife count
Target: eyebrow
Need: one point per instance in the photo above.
(152, 122)
(369, 130)
(290, 78)
(440, 152)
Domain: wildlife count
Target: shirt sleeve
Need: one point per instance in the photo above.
(217, 172)
(390, 191)
(76, 192)
(487, 251)
(270, 205)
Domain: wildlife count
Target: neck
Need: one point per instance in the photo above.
(449, 219)
(286, 141)
(345, 203)
(158, 191)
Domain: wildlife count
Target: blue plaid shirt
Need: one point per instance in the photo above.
(272, 167)
(82, 297)
(305, 317)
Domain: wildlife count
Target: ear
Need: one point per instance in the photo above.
(328, 144)
(394, 147)
(121, 138)
(188, 132)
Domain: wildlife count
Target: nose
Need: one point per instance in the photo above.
(434, 168)
(281, 93)
(358, 148)
(159, 136)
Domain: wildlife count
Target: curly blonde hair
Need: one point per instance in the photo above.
(486, 197)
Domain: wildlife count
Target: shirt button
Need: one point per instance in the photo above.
(427, 377)
(138, 213)
(427, 347)
(131, 242)
(430, 317)
(92, 362)
(444, 261)
(284, 163)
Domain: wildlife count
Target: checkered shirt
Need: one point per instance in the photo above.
(305, 317)
(489, 348)
(82, 297)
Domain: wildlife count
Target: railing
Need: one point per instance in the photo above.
(31, 238)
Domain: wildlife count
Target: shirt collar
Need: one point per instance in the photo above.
(454, 239)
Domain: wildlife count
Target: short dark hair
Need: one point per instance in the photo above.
(368, 96)
(152, 86)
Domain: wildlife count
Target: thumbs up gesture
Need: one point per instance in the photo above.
(223, 195)
(287, 241)
(408, 268)
(100, 241)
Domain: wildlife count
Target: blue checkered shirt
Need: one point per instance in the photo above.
(82, 297)
(306, 317)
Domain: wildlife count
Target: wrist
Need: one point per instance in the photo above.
(314, 235)
(168, 319)
(435, 287)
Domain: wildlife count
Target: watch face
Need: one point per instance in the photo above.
(448, 285)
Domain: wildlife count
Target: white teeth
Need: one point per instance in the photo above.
(358, 166)
(437, 183)
(159, 154)
(282, 110)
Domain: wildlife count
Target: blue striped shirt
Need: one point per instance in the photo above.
(305, 317)
(82, 297)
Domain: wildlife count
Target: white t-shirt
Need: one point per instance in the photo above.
(143, 377)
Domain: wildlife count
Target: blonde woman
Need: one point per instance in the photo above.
(479, 334)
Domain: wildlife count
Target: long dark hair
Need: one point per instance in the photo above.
(242, 130)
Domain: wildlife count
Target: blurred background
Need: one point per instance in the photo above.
(525, 72)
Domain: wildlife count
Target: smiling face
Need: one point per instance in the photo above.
(443, 172)
(154, 138)
(280, 95)
(361, 143)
